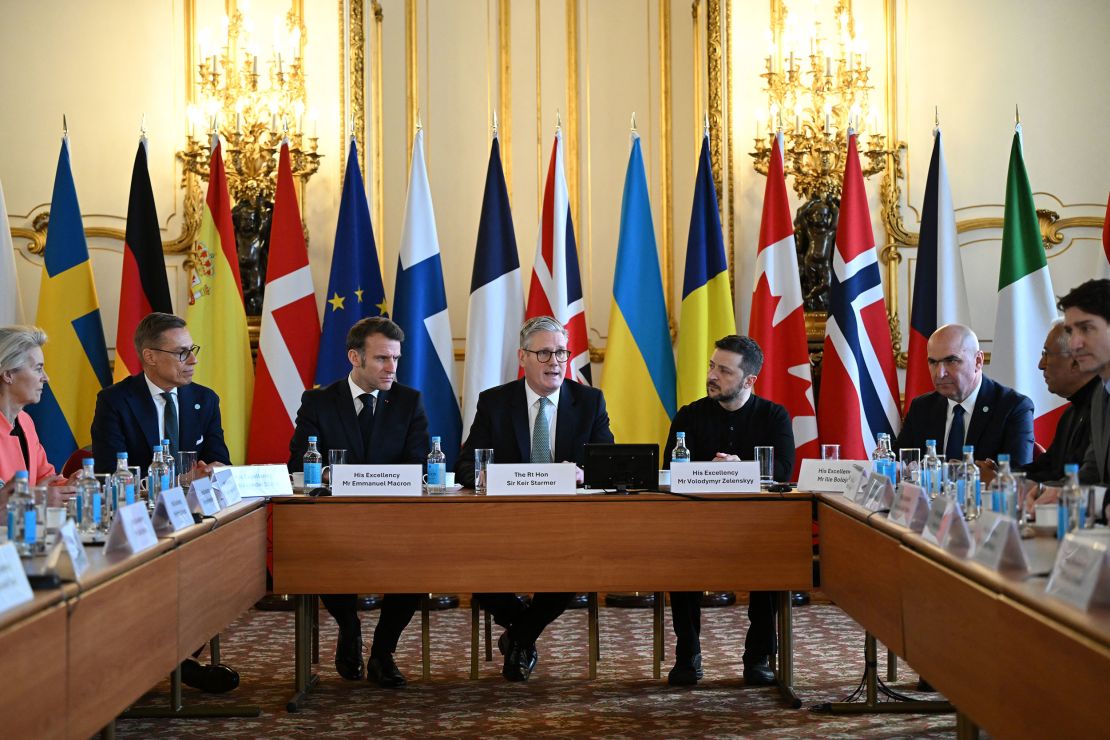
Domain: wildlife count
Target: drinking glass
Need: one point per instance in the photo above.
(186, 465)
(335, 457)
(482, 459)
(910, 463)
(830, 452)
(765, 456)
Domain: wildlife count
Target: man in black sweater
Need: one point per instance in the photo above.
(727, 425)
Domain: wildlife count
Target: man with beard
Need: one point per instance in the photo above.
(724, 426)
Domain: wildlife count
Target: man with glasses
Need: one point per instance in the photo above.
(1065, 378)
(159, 403)
(967, 407)
(540, 418)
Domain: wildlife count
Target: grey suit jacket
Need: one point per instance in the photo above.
(1095, 462)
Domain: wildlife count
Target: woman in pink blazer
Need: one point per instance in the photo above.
(22, 377)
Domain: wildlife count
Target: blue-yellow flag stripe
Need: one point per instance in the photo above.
(635, 416)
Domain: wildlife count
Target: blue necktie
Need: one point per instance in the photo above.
(954, 447)
(541, 434)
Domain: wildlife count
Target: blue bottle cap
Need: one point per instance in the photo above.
(1003, 458)
(929, 442)
(1071, 468)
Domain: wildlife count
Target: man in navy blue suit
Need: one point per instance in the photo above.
(540, 418)
(967, 407)
(162, 402)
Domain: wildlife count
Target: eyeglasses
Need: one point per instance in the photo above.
(1045, 354)
(545, 355)
(182, 355)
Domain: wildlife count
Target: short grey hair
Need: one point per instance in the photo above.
(537, 324)
(16, 342)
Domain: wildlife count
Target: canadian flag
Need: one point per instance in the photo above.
(778, 321)
(290, 336)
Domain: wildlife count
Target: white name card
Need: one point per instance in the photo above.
(376, 480)
(131, 530)
(1081, 574)
(831, 476)
(715, 477)
(257, 481)
(955, 536)
(939, 508)
(878, 494)
(525, 479)
(201, 498)
(999, 544)
(68, 558)
(910, 507)
(172, 513)
(227, 491)
(14, 588)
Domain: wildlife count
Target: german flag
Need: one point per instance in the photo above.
(143, 284)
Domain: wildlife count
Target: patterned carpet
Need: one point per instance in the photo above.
(559, 700)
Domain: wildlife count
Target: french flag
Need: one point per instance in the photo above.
(939, 293)
(496, 308)
(556, 287)
(859, 385)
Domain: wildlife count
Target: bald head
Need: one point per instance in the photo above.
(955, 361)
(1061, 373)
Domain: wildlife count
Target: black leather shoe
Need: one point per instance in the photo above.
(384, 672)
(214, 679)
(348, 653)
(518, 665)
(504, 644)
(759, 673)
(686, 672)
(799, 598)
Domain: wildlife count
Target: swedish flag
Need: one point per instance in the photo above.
(638, 355)
(69, 313)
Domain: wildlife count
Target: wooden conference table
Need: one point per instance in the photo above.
(1013, 660)
(465, 543)
(79, 655)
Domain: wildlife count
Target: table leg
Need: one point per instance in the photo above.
(592, 628)
(891, 666)
(965, 728)
(304, 679)
(657, 633)
(784, 669)
(425, 638)
(475, 617)
(871, 688)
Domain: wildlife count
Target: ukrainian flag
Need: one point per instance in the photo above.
(69, 313)
(638, 378)
(707, 309)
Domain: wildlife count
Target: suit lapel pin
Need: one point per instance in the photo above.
(985, 409)
(197, 406)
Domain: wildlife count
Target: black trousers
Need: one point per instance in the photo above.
(525, 623)
(759, 643)
(396, 613)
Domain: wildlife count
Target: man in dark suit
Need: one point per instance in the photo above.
(1064, 378)
(725, 426)
(1087, 324)
(540, 418)
(968, 408)
(159, 403)
(379, 422)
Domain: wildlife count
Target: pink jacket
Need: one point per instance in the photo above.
(11, 456)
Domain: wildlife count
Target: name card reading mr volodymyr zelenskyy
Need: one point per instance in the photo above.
(715, 477)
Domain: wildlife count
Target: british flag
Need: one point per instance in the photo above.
(556, 287)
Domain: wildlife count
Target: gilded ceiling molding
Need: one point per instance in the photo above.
(666, 157)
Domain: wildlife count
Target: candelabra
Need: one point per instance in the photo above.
(812, 99)
(253, 112)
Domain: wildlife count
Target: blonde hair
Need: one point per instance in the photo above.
(15, 344)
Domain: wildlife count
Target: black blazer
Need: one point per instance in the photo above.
(399, 435)
(1002, 423)
(126, 420)
(501, 423)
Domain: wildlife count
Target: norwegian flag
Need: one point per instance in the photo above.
(859, 386)
(778, 320)
(290, 336)
(556, 288)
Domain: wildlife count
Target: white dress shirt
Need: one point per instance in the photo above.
(356, 392)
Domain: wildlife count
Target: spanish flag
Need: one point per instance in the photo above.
(216, 315)
(69, 313)
(638, 355)
(707, 312)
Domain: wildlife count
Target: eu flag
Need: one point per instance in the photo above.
(69, 313)
(355, 288)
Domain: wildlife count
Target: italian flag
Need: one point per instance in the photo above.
(1026, 303)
